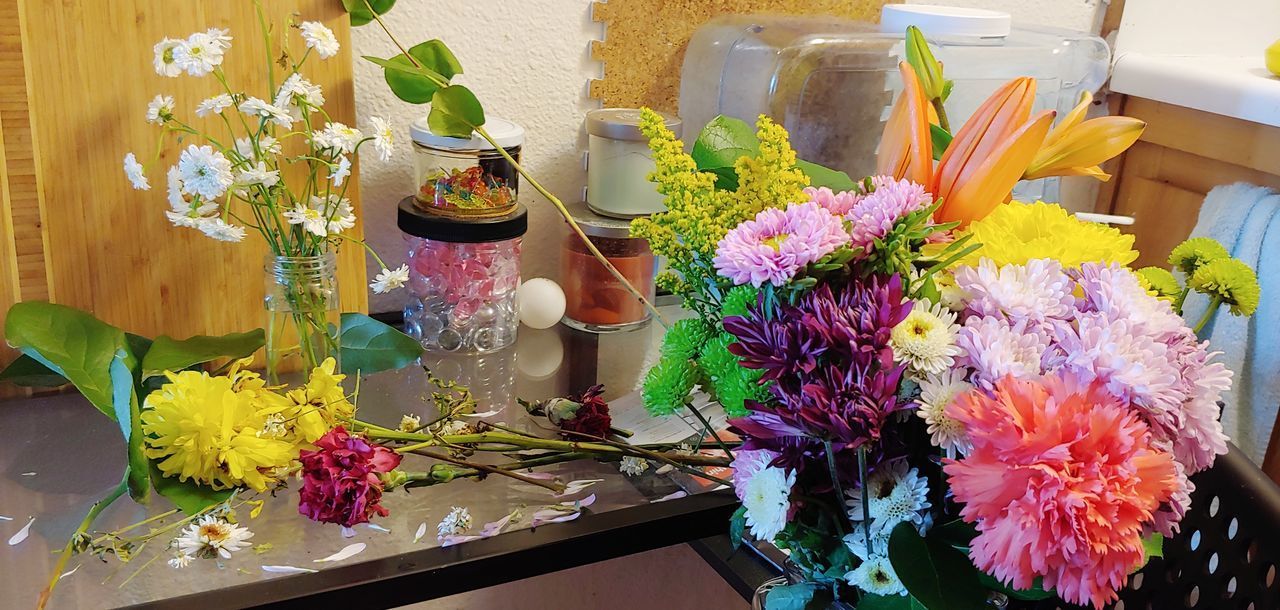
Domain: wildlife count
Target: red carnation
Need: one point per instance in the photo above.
(590, 417)
(340, 482)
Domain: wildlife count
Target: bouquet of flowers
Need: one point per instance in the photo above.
(943, 395)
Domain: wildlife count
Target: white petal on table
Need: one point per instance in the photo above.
(377, 528)
(482, 414)
(28, 474)
(288, 570)
(422, 531)
(348, 532)
(671, 496)
(573, 487)
(22, 533)
(349, 551)
(70, 572)
(4, 518)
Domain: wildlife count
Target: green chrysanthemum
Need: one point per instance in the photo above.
(685, 339)
(1229, 281)
(1195, 253)
(732, 383)
(667, 385)
(1159, 282)
(738, 300)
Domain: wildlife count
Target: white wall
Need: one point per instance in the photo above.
(528, 61)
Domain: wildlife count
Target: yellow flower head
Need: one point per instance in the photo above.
(1159, 282)
(1196, 252)
(1018, 232)
(1229, 281)
(315, 409)
(201, 428)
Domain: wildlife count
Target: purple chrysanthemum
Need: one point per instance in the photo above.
(778, 243)
(873, 215)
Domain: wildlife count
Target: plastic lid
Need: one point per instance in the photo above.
(504, 132)
(937, 20)
(624, 124)
(418, 223)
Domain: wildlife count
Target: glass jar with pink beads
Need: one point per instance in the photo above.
(463, 275)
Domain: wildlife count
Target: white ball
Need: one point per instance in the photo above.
(541, 303)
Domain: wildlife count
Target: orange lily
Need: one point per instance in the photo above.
(906, 150)
(989, 153)
(1077, 147)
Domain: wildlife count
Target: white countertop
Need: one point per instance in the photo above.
(1239, 87)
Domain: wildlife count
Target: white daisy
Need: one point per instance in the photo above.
(388, 280)
(875, 575)
(765, 492)
(856, 542)
(212, 536)
(298, 93)
(160, 109)
(409, 422)
(221, 230)
(200, 53)
(936, 392)
(320, 38)
(339, 137)
(204, 171)
(633, 466)
(135, 173)
(181, 560)
(897, 494)
(926, 340)
(341, 217)
(184, 211)
(214, 105)
(261, 109)
(267, 144)
(220, 37)
(456, 522)
(311, 218)
(164, 63)
(384, 140)
(340, 173)
(258, 175)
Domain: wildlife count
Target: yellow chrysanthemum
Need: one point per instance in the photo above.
(201, 428)
(1018, 232)
(1229, 281)
(316, 408)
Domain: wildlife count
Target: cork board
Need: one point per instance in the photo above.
(645, 41)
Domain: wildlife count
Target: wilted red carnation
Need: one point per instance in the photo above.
(592, 415)
(340, 481)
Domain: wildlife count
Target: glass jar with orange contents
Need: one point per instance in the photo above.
(466, 177)
(595, 301)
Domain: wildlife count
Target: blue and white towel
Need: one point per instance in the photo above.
(1246, 219)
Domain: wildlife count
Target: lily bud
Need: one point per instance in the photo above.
(928, 68)
(906, 148)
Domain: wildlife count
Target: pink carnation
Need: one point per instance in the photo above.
(1061, 483)
(340, 482)
(777, 244)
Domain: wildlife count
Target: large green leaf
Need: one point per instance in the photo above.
(725, 139)
(75, 345)
(789, 597)
(820, 176)
(416, 84)
(30, 373)
(360, 13)
(369, 346)
(167, 354)
(934, 572)
(455, 112)
(189, 497)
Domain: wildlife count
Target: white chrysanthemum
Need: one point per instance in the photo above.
(160, 109)
(201, 52)
(409, 422)
(633, 466)
(897, 494)
(936, 392)
(258, 174)
(213, 536)
(164, 62)
(388, 280)
(765, 492)
(221, 230)
(261, 109)
(298, 93)
(135, 173)
(384, 140)
(875, 575)
(342, 217)
(856, 542)
(338, 137)
(950, 294)
(214, 105)
(1038, 290)
(310, 217)
(266, 144)
(926, 339)
(339, 174)
(456, 522)
(179, 561)
(204, 172)
(320, 38)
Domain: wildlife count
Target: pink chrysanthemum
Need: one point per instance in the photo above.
(777, 244)
(1060, 483)
(1129, 363)
(874, 215)
(1037, 291)
(838, 204)
(994, 349)
(1114, 291)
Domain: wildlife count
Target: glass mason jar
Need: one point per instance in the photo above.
(303, 314)
(463, 276)
(595, 301)
(466, 177)
(619, 163)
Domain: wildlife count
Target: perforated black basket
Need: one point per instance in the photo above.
(1227, 554)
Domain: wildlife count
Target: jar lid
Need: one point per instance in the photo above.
(418, 223)
(624, 124)
(937, 20)
(596, 225)
(504, 132)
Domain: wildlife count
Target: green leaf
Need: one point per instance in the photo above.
(415, 84)
(789, 597)
(369, 346)
(738, 527)
(1035, 593)
(720, 144)
(941, 140)
(934, 572)
(455, 112)
(360, 13)
(168, 354)
(188, 496)
(27, 372)
(820, 176)
(1153, 546)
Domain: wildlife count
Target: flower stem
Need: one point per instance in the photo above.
(69, 549)
(1214, 304)
(866, 497)
(835, 484)
(710, 430)
(551, 485)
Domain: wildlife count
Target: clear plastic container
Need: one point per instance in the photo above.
(466, 176)
(463, 275)
(831, 82)
(595, 301)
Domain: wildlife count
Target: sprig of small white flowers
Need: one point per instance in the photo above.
(456, 522)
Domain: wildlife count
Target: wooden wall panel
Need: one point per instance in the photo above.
(76, 80)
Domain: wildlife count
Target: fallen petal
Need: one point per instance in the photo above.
(573, 487)
(377, 528)
(348, 551)
(70, 572)
(288, 570)
(422, 531)
(494, 528)
(22, 533)
(348, 532)
(553, 519)
(452, 540)
(671, 496)
(28, 474)
(4, 518)
(483, 414)
(664, 469)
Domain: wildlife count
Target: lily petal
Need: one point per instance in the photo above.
(906, 148)
(991, 182)
(1086, 145)
(988, 129)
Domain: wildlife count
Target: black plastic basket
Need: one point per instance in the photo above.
(1226, 556)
